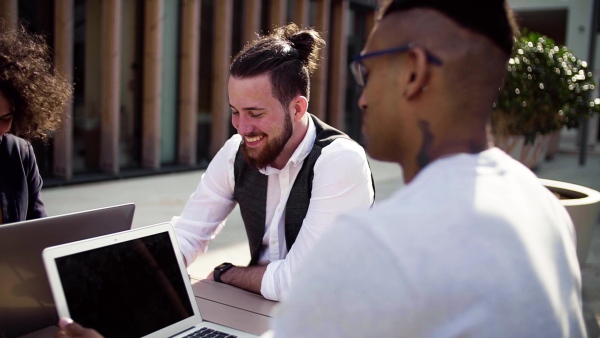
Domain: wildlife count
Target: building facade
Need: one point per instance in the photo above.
(151, 76)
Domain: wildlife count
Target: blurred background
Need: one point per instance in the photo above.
(151, 75)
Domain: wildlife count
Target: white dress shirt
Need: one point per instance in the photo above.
(341, 183)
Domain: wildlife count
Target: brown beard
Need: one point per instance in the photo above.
(271, 150)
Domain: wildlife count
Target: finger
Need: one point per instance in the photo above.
(60, 334)
(72, 329)
(75, 330)
(64, 321)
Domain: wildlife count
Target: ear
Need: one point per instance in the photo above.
(298, 107)
(418, 76)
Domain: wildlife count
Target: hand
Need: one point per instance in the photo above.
(210, 276)
(70, 329)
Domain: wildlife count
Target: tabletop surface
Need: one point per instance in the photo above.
(233, 307)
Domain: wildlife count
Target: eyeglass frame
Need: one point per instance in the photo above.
(358, 69)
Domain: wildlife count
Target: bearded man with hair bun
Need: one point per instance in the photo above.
(290, 173)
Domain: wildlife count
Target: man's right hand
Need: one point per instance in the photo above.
(70, 329)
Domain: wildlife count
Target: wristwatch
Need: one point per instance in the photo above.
(221, 269)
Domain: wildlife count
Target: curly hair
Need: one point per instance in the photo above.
(37, 93)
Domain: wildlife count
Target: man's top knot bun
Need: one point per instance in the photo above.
(305, 44)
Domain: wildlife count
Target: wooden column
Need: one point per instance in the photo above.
(188, 81)
(220, 116)
(302, 13)
(318, 95)
(63, 57)
(111, 74)
(92, 85)
(339, 55)
(153, 31)
(9, 12)
(277, 13)
(251, 20)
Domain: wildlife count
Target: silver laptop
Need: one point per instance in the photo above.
(129, 284)
(26, 303)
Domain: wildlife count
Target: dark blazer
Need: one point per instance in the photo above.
(20, 181)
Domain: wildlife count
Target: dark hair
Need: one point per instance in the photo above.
(37, 93)
(491, 18)
(289, 55)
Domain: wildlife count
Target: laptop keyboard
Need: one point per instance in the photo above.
(209, 333)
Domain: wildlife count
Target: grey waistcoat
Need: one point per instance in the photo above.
(251, 192)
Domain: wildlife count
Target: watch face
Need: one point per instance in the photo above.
(223, 266)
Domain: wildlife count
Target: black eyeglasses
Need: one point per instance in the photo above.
(359, 71)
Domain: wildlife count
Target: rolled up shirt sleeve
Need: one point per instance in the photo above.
(341, 184)
(206, 211)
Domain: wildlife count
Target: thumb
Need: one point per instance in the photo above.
(70, 327)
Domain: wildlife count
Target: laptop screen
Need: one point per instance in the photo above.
(127, 289)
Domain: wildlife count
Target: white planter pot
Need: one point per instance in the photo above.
(531, 155)
(583, 206)
(553, 144)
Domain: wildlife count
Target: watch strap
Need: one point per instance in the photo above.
(221, 269)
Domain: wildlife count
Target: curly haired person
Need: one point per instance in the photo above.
(33, 97)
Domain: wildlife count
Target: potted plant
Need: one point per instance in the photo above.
(546, 87)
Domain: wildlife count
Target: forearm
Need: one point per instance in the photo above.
(209, 205)
(194, 237)
(247, 278)
(35, 207)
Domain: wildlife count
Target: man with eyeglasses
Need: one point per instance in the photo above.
(473, 245)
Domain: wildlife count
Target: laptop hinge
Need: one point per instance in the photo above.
(188, 329)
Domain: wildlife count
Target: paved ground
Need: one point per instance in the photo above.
(158, 198)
